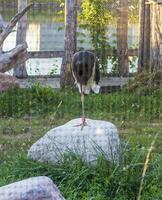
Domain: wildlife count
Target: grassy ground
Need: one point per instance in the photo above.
(26, 115)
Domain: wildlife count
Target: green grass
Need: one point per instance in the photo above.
(27, 114)
(44, 101)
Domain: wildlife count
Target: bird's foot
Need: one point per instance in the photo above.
(83, 124)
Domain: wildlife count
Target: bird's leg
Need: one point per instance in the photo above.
(84, 123)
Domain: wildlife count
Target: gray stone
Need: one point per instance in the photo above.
(7, 82)
(35, 188)
(98, 138)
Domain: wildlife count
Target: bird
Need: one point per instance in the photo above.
(86, 73)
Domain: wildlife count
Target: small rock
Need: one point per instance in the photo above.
(7, 82)
(35, 188)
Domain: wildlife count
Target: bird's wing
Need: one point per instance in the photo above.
(91, 80)
(95, 88)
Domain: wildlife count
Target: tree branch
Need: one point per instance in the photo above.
(12, 23)
(14, 57)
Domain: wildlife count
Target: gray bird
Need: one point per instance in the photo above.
(86, 73)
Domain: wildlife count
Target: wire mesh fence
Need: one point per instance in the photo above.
(46, 31)
(26, 115)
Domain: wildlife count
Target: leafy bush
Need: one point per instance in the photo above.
(146, 83)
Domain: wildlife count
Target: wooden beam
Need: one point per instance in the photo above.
(46, 54)
(60, 54)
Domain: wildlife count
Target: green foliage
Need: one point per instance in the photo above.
(95, 17)
(133, 11)
(145, 83)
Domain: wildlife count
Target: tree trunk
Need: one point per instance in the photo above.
(122, 38)
(156, 37)
(20, 71)
(144, 42)
(70, 41)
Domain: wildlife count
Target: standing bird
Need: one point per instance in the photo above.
(85, 70)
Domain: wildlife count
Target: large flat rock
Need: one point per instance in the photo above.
(35, 188)
(98, 138)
